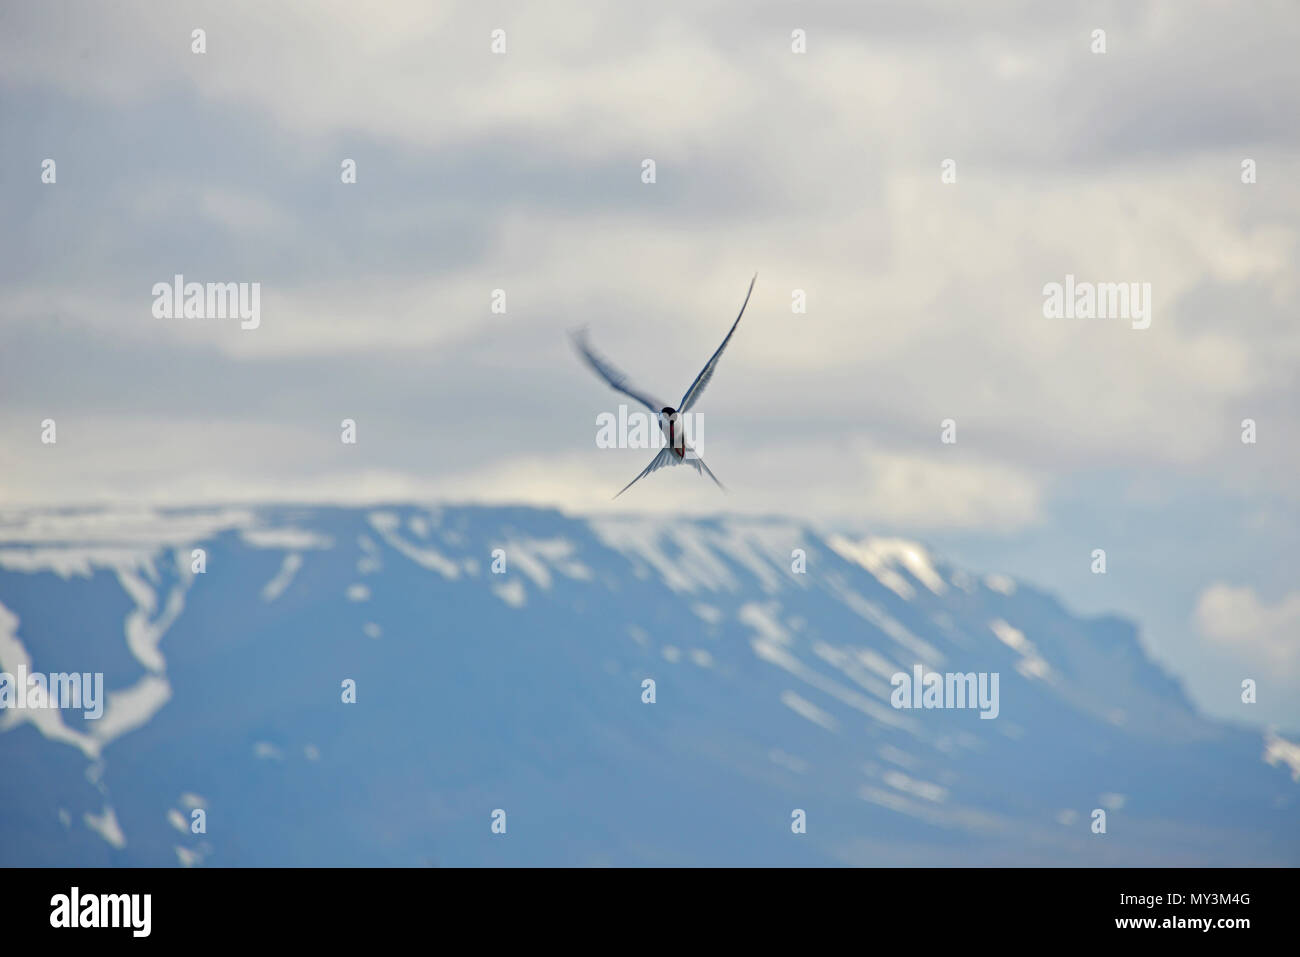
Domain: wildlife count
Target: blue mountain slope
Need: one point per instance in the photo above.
(522, 691)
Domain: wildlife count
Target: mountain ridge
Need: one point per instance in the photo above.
(539, 669)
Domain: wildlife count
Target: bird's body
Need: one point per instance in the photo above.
(676, 451)
(668, 423)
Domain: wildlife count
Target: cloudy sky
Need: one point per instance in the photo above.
(821, 171)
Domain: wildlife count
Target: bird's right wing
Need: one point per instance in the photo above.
(616, 379)
(665, 457)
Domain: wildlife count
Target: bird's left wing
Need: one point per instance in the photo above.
(616, 379)
(702, 380)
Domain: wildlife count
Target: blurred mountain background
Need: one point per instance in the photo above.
(522, 691)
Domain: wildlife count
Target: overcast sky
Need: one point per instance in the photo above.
(821, 171)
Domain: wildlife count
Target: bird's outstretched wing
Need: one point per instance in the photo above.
(616, 379)
(665, 457)
(702, 380)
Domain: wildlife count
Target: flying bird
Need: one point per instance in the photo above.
(677, 451)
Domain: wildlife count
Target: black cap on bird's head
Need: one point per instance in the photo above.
(668, 412)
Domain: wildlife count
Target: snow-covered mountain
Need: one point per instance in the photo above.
(522, 690)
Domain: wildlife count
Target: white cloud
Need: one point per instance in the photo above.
(1239, 620)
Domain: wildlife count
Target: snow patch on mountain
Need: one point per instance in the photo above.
(106, 826)
(388, 525)
(132, 708)
(1278, 750)
(805, 708)
(144, 632)
(71, 561)
(121, 526)
(512, 593)
(49, 722)
(680, 554)
(537, 558)
(1031, 663)
(287, 538)
(1000, 584)
(288, 568)
(860, 554)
